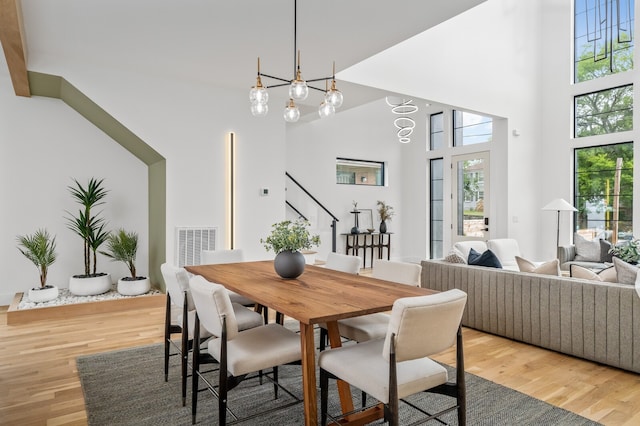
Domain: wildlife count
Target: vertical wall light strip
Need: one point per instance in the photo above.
(230, 159)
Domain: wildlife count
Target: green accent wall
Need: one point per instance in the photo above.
(52, 86)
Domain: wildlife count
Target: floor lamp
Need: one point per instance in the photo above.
(559, 205)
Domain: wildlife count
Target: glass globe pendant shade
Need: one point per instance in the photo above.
(291, 112)
(258, 94)
(298, 89)
(259, 109)
(334, 96)
(326, 110)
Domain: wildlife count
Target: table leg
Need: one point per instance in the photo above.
(309, 374)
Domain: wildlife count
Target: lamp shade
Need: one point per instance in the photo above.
(560, 205)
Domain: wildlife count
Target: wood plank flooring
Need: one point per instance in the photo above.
(39, 384)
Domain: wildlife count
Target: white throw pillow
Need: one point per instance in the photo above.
(578, 271)
(586, 251)
(551, 267)
(626, 272)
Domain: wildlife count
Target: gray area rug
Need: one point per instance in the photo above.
(127, 387)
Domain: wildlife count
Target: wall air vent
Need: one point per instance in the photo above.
(190, 241)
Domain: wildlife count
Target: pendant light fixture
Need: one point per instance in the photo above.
(298, 87)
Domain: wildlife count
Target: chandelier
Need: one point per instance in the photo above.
(298, 87)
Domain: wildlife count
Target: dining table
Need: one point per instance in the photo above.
(318, 296)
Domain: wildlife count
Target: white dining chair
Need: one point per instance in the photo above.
(180, 318)
(239, 352)
(398, 365)
(216, 257)
(343, 263)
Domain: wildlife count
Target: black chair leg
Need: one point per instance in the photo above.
(275, 382)
(324, 396)
(364, 399)
(167, 336)
(195, 375)
(324, 336)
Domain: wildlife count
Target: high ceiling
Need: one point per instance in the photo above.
(217, 42)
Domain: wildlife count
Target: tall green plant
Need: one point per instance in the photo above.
(39, 248)
(87, 224)
(123, 246)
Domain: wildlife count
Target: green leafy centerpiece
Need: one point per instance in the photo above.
(286, 240)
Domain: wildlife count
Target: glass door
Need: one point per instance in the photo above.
(470, 198)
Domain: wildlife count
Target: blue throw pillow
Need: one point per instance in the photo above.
(487, 258)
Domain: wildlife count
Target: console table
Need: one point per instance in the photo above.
(374, 241)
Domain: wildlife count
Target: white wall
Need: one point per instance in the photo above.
(364, 133)
(486, 60)
(44, 144)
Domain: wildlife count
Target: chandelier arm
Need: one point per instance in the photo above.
(317, 88)
(275, 78)
(319, 79)
(278, 85)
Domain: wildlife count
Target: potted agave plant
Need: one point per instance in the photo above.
(286, 240)
(89, 226)
(40, 248)
(122, 247)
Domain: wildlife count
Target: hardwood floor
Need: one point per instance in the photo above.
(39, 383)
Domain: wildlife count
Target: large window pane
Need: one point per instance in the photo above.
(603, 37)
(469, 128)
(603, 112)
(604, 191)
(436, 139)
(359, 172)
(436, 203)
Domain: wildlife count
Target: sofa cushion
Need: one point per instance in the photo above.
(626, 272)
(605, 256)
(506, 249)
(609, 275)
(586, 250)
(486, 258)
(551, 267)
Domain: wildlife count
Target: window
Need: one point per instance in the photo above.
(436, 131)
(359, 172)
(604, 191)
(603, 112)
(603, 37)
(469, 128)
(436, 205)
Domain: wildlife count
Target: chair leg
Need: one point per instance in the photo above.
(167, 336)
(364, 399)
(324, 336)
(461, 388)
(185, 361)
(275, 381)
(324, 396)
(195, 375)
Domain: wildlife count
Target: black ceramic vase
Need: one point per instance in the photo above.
(383, 227)
(289, 264)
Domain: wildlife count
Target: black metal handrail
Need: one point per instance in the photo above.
(333, 217)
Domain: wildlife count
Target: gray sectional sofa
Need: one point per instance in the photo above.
(597, 321)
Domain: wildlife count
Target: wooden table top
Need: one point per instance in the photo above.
(319, 295)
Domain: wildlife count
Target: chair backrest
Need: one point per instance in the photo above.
(212, 304)
(506, 249)
(424, 325)
(211, 257)
(343, 262)
(399, 272)
(177, 282)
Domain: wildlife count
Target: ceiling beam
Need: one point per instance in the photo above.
(13, 44)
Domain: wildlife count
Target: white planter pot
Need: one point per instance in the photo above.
(90, 286)
(134, 287)
(38, 294)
